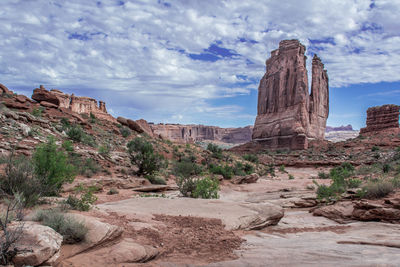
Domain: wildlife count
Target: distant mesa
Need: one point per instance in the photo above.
(382, 118)
(287, 115)
(79, 104)
(339, 129)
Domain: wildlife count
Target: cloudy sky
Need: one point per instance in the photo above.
(189, 61)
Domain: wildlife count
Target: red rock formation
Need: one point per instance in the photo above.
(41, 94)
(193, 133)
(381, 118)
(340, 128)
(287, 116)
(3, 89)
(80, 105)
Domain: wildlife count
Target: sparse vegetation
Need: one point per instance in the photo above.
(112, 191)
(72, 230)
(206, 188)
(226, 171)
(291, 177)
(37, 112)
(378, 188)
(83, 198)
(155, 179)
(125, 132)
(216, 150)
(186, 168)
(251, 157)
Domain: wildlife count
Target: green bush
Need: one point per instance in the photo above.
(68, 146)
(125, 132)
(251, 157)
(291, 177)
(353, 183)
(51, 167)
(386, 168)
(226, 171)
(378, 188)
(92, 118)
(72, 230)
(85, 201)
(375, 148)
(141, 153)
(323, 175)
(216, 150)
(186, 168)
(206, 188)
(282, 168)
(37, 112)
(75, 133)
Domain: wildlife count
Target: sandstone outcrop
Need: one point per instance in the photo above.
(194, 133)
(338, 129)
(3, 89)
(81, 105)
(287, 116)
(39, 243)
(381, 118)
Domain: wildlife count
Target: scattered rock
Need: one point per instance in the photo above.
(48, 104)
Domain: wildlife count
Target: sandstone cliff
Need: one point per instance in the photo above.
(287, 116)
(78, 104)
(381, 118)
(193, 133)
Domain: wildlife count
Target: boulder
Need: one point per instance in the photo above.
(145, 127)
(41, 94)
(287, 116)
(248, 179)
(12, 103)
(123, 121)
(22, 99)
(39, 242)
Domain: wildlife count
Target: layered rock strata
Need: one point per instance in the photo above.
(194, 133)
(78, 104)
(381, 118)
(287, 115)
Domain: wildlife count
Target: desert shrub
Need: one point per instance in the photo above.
(238, 169)
(216, 150)
(125, 132)
(92, 118)
(353, 183)
(226, 171)
(386, 168)
(9, 236)
(186, 168)
(75, 133)
(291, 177)
(19, 178)
(186, 185)
(65, 123)
(68, 146)
(112, 191)
(37, 112)
(378, 188)
(323, 175)
(83, 198)
(141, 153)
(271, 170)
(72, 230)
(51, 167)
(375, 148)
(206, 188)
(155, 179)
(282, 168)
(251, 157)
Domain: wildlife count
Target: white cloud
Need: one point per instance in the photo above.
(140, 51)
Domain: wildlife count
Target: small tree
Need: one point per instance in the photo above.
(142, 155)
(51, 167)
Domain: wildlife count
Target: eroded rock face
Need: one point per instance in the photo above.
(193, 133)
(3, 89)
(78, 104)
(381, 118)
(287, 116)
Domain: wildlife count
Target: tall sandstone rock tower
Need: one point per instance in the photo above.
(287, 115)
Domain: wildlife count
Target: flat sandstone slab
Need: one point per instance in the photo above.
(245, 216)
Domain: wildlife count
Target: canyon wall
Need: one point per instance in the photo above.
(381, 118)
(194, 133)
(287, 115)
